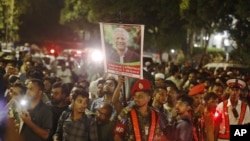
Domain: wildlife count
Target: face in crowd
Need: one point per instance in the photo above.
(57, 96)
(141, 98)
(34, 92)
(109, 86)
(80, 103)
(161, 95)
(104, 113)
(234, 93)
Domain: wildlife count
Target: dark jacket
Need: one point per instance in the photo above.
(183, 129)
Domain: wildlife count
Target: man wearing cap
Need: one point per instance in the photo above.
(196, 93)
(232, 111)
(159, 80)
(139, 122)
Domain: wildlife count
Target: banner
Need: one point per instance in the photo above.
(122, 45)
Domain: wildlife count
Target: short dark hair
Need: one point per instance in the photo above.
(80, 92)
(67, 87)
(38, 82)
(20, 85)
(210, 95)
(57, 84)
(100, 82)
(186, 99)
(113, 79)
(34, 74)
(83, 81)
(216, 84)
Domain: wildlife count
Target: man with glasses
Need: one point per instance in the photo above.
(232, 111)
(108, 90)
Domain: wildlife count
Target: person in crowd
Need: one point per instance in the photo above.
(108, 90)
(139, 122)
(184, 126)
(160, 96)
(175, 76)
(27, 65)
(12, 79)
(59, 102)
(197, 93)
(48, 82)
(99, 91)
(159, 80)
(16, 93)
(169, 106)
(121, 52)
(37, 74)
(36, 115)
(232, 111)
(211, 101)
(105, 126)
(191, 78)
(64, 73)
(218, 89)
(73, 88)
(74, 124)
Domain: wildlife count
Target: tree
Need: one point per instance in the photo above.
(216, 16)
(163, 29)
(205, 17)
(10, 11)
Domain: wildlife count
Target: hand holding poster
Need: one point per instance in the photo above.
(122, 45)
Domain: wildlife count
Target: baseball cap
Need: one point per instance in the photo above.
(141, 85)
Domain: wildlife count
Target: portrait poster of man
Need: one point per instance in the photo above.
(122, 45)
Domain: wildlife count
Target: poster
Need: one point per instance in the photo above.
(122, 45)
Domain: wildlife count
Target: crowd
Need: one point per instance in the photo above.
(171, 103)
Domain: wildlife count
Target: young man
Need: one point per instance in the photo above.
(197, 93)
(232, 111)
(59, 102)
(105, 126)
(183, 128)
(139, 122)
(108, 90)
(16, 92)
(160, 97)
(211, 101)
(37, 116)
(74, 124)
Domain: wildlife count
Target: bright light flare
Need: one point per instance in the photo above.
(97, 56)
(172, 51)
(52, 51)
(78, 52)
(23, 102)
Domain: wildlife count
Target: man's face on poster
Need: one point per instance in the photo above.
(121, 40)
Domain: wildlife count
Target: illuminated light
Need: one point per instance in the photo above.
(205, 38)
(78, 52)
(96, 56)
(52, 51)
(216, 114)
(23, 102)
(172, 51)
